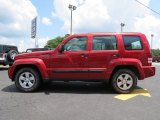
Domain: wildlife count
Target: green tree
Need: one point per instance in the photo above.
(55, 41)
(155, 52)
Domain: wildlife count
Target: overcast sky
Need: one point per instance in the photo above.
(90, 16)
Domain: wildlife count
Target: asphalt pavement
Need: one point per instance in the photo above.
(80, 101)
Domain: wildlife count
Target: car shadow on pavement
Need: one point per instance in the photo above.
(10, 88)
(77, 88)
(69, 88)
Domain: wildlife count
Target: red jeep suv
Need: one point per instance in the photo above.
(118, 58)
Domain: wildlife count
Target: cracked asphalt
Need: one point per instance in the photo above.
(77, 101)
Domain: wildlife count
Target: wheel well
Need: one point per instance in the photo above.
(28, 66)
(129, 67)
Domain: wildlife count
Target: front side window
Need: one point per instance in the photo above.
(104, 43)
(76, 44)
(132, 43)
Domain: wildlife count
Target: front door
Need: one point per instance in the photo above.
(72, 63)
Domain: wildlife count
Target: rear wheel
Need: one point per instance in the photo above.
(124, 81)
(27, 80)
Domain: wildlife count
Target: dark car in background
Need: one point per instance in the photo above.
(36, 49)
(156, 59)
(7, 54)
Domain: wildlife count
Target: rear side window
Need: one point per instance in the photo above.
(132, 43)
(104, 43)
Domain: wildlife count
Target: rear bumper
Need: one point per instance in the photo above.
(3, 59)
(149, 71)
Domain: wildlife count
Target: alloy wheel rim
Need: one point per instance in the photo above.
(124, 81)
(26, 80)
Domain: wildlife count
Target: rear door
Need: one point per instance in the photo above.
(104, 50)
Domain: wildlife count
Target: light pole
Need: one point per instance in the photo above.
(122, 25)
(72, 8)
(152, 35)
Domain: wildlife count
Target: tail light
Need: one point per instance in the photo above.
(150, 60)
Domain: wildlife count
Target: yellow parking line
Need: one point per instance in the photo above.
(135, 93)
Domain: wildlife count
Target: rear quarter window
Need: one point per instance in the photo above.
(132, 43)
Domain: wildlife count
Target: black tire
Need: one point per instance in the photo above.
(124, 81)
(25, 84)
(11, 54)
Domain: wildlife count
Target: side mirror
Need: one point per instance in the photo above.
(61, 49)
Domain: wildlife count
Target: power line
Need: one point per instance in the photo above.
(148, 7)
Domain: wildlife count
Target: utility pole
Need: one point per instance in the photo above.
(72, 8)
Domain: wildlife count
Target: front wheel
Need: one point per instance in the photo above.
(124, 81)
(27, 80)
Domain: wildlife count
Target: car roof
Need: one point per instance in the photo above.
(109, 33)
(36, 48)
(8, 45)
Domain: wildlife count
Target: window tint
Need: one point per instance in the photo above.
(104, 43)
(1, 48)
(4, 48)
(7, 48)
(76, 44)
(132, 43)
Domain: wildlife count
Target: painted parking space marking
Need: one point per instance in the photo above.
(137, 92)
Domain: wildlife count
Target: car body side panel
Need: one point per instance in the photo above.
(126, 62)
(30, 61)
